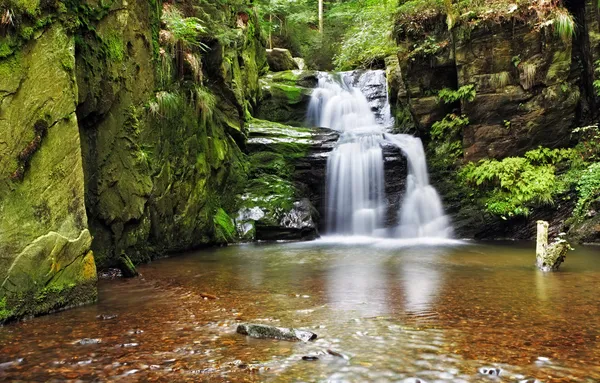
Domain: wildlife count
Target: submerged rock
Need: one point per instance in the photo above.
(490, 371)
(86, 341)
(280, 60)
(262, 331)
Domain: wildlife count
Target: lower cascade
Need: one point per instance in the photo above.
(356, 105)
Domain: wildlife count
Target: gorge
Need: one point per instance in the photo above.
(163, 138)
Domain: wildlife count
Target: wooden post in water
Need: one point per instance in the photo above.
(542, 239)
(549, 257)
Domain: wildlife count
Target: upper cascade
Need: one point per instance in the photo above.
(356, 104)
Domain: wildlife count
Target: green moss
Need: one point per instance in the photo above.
(265, 162)
(5, 50)
(293, 94)
(114, 47)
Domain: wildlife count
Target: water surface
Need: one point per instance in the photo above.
(396, 310)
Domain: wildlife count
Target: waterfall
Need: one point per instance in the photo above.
(356, 105)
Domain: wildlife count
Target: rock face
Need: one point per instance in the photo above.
(97, 123)
(526, 96)
(532, 88)
(280, 60)
(164, 181)
(45, 258)
(276, 203)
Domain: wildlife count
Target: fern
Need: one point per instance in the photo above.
(464, 93)
(564, 24)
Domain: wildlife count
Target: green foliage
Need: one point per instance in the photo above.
(589, 142)
(205, 103)
(224, 228)
(546, 156)
(446, 144)
(427, 47)
(564, 24)
(596, 73)
(464, 93)
(512, 185)
(185, 30)
(369, 39)
(5, 313)
(450, 126)
(588, 189)
(166, 104)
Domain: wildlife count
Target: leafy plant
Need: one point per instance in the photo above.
(369, 39)
(511, 185)
(464, 93)
(450, 126)
(183, 30)
(564, 24)
(588, 189)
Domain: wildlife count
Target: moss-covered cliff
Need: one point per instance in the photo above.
(133, 111)
(162, 137)
(45, 257)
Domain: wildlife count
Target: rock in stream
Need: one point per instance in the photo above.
(262, 331)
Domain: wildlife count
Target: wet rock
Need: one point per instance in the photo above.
(111, 273)
(261, 331)
(490, 371)
(128, 345)
(135, 331)
(11, 363)
(300, 62)
(127, 267)
(280, 60)
(106, 316)
(310, 358)
(338, 354)
(86, 341)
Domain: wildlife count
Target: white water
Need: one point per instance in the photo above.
(356, 105)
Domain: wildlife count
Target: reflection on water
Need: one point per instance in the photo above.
(421, 282)
(397, 310)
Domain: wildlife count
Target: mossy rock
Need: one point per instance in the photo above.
(280, 60)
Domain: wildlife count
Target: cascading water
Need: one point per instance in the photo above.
(355, 169)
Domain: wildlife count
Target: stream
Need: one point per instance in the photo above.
(388, 310)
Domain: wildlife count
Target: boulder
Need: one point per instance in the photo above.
(280, 60)
(285, 96)
(262, 331)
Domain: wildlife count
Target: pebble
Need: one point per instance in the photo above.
(106, 316)
(310, 357)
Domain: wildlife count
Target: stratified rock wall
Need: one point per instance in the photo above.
(45, 258)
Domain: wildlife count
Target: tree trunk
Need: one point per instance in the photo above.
(321, 16)
(271, 31)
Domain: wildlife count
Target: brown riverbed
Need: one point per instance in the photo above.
(395, 312)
